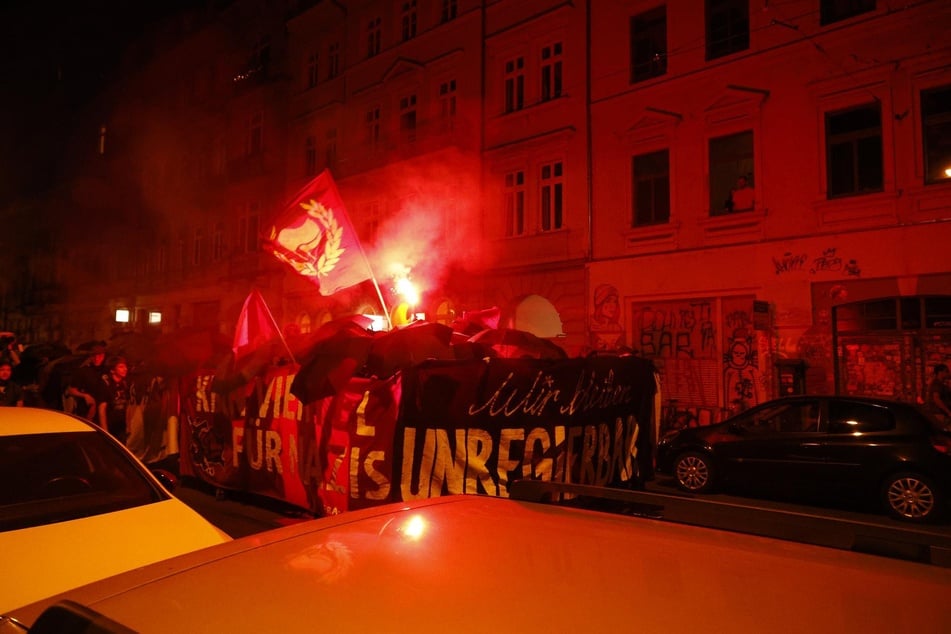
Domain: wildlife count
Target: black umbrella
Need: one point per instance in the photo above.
(331, 363)
(510, 343)
(406, 346)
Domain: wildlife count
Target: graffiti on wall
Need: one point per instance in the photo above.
(675, 330)
(827, 262)
(607, 333)
(707, 354)
(742, 380)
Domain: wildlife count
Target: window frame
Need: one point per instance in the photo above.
(715, 194)
(654, 19)
(513, 75)
(853, 138)
(310, 155)
(409, 113)
(655, 219)
(409, 19)
(374, 36)
(829, 13)
(551, 196)
(934, 120)
(514, 190)
(737, 38)
(551, 71)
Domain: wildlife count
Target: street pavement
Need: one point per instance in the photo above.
(240, 514)
(236, 513)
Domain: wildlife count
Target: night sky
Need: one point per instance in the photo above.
(55, 57)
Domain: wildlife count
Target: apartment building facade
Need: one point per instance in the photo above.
(771, 196)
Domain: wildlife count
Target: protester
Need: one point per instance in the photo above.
(11, 394)
(84, 389)
(939, 394)
(112, 409)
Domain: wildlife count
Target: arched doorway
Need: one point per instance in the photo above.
(537, 315)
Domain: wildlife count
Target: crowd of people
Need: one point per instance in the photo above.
(96, 389)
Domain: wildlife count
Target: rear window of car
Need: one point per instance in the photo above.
(850, 417)
(48, 478)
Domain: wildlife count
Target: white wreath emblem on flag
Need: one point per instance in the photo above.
(313, 248)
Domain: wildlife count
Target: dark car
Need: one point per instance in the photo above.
(831, 447)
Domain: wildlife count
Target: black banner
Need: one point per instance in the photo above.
(476, 426)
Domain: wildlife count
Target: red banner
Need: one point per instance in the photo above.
(433, 429)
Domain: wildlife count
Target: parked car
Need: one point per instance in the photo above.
(833, 447)
(472, 563)
(77, 506)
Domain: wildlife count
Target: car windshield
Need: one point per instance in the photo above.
(50, 478)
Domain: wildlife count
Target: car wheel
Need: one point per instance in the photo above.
(694, 472)
(911, 497)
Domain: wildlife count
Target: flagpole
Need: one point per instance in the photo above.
(376, 285)
(277, 328)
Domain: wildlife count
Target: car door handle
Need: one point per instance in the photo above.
(809, 444)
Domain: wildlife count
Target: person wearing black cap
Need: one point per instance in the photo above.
(112, 409)
(84, 385)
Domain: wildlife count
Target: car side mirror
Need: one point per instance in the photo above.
(167, 478)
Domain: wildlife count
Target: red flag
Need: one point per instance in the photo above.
(256, 330)
(315, 237)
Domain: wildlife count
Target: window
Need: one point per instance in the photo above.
(219, 157)
(372, 216)
(854, 151)
(449, 9)
(218, 243)
(551, 71)
(936, 133)
(255, 142)
(731, 173)
(373, 126)
(552, 196)
(786, 418)
(834, 10)
(728, 27)
(651, 183)
(879, 314)
(310, 156)
(937, 312)
(649, 44)
(330, 149)
(181, 251)
(198, 245)
(374, 36)
(515, 84)
(514, 204)
(249, 227)
(447, 104)
(161, 257)
(849, 417)
(408, 20)
(333, 60)
(311, 72)
(408, 119)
